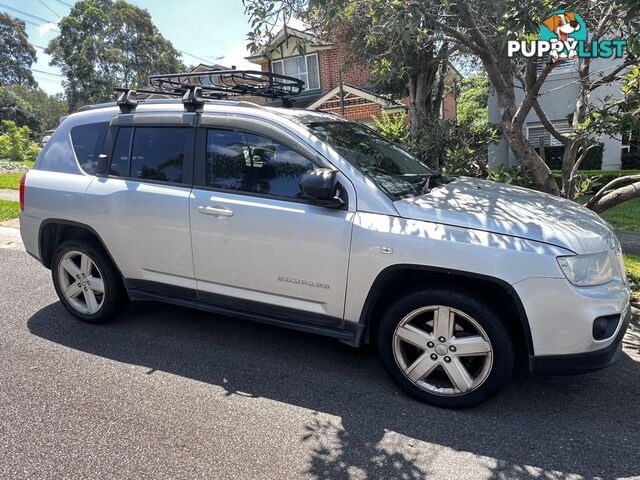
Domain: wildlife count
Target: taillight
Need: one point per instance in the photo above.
(22, 184)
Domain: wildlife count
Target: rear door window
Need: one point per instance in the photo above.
(88, 142)
(158, 153)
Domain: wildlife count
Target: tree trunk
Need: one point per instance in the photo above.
(616, 197)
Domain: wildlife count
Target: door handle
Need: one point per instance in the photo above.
(215, 210)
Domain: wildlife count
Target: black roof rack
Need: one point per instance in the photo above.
(229, 83)
(197, 87)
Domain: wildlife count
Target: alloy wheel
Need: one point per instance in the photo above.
(442, 350)
(81, 282)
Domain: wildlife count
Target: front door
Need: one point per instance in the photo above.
(256, 241)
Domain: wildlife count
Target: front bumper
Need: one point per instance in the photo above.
(561, 316)
(578, 363)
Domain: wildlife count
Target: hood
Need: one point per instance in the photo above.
(520, 212)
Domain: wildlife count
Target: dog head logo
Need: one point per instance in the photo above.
(566, 28)
(563, 36)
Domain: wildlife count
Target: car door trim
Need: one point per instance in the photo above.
(347, 332)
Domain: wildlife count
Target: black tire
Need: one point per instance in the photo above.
(468, 303)
(115, 297)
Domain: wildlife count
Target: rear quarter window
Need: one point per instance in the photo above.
(88, 142)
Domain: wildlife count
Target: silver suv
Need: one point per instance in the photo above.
(308, 221)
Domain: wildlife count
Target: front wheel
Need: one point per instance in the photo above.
(445, 347)
(87, 282)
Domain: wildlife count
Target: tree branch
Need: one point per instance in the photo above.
(550, 127)
(612, 76)
(580, 159)
(612, 185)
(616, 197)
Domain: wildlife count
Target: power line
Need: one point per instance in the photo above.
(194, 56)
(184, 52)
(64, 3)
(47, 73)
(25, 13)
(49, 8)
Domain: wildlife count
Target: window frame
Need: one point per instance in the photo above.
(144, 121)
(200, 174)
(306, 65)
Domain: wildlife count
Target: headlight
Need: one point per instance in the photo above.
(589, 270)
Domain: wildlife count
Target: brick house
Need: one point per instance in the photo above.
(299, 55)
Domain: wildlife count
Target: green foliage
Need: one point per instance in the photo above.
(105, 44)
(472, 107)
(48, 108)
(16, 53)
(599, 178)
(9, 209)
(465, 160)
(392, 126)
(632, 264)
(16, 109)
(517, 175)
(16, 144)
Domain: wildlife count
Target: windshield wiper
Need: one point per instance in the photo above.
(436, 177)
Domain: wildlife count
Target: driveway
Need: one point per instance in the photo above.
(166, 392)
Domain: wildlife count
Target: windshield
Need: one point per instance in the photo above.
(389, 166)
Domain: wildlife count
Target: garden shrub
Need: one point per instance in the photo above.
(16, 144)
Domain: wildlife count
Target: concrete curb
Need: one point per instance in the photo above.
(10, 238)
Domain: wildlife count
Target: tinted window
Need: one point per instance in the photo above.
(88, 141)
(158, 153)
(255, 164)
(392, 168)
(120, 155)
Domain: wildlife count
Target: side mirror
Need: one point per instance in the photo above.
(321, 186)
(103, 164)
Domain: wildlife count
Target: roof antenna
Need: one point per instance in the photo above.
(192, 99)
(128, 99)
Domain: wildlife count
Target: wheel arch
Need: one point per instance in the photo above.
(394, 279)
(54, 231)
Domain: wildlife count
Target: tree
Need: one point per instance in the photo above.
(105, 44)
(15, 108)
(473, 110)
(16, 53)
(49, 108)
(484, 28)
(391, 36)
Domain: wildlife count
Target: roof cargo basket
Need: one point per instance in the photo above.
(218, 84)
(196, 88)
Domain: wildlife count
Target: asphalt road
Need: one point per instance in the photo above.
(166, 392)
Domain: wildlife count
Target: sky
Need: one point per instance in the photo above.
(205, 31)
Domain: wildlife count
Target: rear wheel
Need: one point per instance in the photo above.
(445, 347)
(86, 282)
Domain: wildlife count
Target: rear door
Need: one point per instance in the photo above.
(257, 244)
(140, 208)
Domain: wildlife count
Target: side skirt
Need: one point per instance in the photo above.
(347, 332)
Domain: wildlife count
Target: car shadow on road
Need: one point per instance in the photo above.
(585, 425)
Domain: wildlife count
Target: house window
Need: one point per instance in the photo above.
(565, 66)
(304, 67)
(537, 134)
